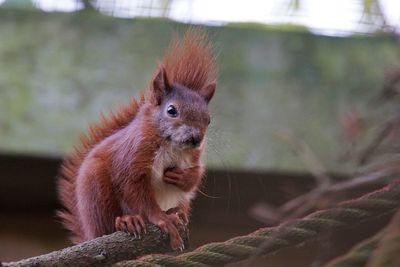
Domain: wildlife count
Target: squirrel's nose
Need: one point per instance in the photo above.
(194, 141)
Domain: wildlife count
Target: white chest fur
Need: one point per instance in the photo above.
(169, 196)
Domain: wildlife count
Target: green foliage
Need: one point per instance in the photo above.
(279, 27)
(59, 71)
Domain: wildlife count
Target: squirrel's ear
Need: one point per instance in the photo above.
(208, 91)
(160, 84)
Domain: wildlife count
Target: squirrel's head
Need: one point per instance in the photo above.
(182, 115)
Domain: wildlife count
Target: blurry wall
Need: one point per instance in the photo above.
(59, 71)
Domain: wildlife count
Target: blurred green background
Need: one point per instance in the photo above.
(62, 70)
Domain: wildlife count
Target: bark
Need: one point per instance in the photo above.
(106, 250)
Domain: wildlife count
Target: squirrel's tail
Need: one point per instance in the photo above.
(66, 192)
(189, 61)
(70, 167)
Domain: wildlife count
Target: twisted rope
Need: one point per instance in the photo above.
(380, 203)
(359, 255)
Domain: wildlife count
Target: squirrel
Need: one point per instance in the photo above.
(144, 162)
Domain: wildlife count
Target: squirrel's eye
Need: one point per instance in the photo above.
(171, 110)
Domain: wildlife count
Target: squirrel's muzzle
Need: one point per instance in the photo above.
(194, 141)
(188, 136)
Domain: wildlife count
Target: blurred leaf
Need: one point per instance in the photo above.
(351, 125)
(368, 4)
(294, 4)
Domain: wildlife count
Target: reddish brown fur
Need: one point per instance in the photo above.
(190, 61)
(66, 182)
(108, 175)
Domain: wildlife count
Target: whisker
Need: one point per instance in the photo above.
(207, 195)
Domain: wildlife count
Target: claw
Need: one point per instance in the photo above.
(133, 224)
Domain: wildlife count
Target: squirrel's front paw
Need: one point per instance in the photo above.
(133, 224)
(168, 224)
(177, 211)
(179, 178)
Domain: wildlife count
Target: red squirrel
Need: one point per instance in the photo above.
(143, 163)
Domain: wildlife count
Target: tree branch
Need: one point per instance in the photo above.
(106, 250)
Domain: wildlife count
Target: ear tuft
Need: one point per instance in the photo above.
(208, 91)
(160, 84)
